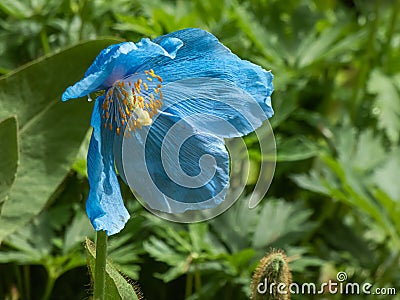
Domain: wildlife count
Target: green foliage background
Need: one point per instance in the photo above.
(334, 203)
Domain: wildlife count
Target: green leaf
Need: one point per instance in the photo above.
(198, 236)
(264, 40)
(241, 258)
(35, 240)
(312, 182)
(50, 131)
(8, 154)
(284, 104)
(316, 45)
(363, 166)
(369, 153)
(77, 231)
(124, 253)
(117, 287)
(184, 251)
(161, 251)
(302, 262)
(16, 9)
(80, 165)
(295, 148)
(17, 256)
(281, 223)
(386, 176)
(139, 24)
(392, 206)
(237, 235)
(387, 103)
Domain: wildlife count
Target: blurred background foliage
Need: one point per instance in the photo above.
(334, 203)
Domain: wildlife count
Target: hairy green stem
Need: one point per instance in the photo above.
(100, 266)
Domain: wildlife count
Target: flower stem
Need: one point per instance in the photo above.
(100, 266)
(45, 41)
(189, 285)
(27, 281)
(49, 287)
(197, 280)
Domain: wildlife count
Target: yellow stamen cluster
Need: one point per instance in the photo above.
(132, 104)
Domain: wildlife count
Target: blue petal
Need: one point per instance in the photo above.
(216, 106)
(117, 61)
(104, 205)
(204, 56)
(118, 141)
(176, 168)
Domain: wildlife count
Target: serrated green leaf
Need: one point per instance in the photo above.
(36, 239)
(198, 233)
(77, 231)
(386, 176)
(117, 287)
(180, 268)
(280, 223)
(236, 236)
(8, 154)
(387, 103)
(125, 255)
(241, 258)
(161, 251)
(369, 153)
(312, 182)
(296, 148)
(51, 132)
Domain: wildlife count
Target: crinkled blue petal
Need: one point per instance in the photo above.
(175, 167)
(104, 205)
(214, 106)
(117, 61)
(204, 56)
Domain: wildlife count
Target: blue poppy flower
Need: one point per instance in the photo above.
(166, 108)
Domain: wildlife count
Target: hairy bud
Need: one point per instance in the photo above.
(272, 277)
